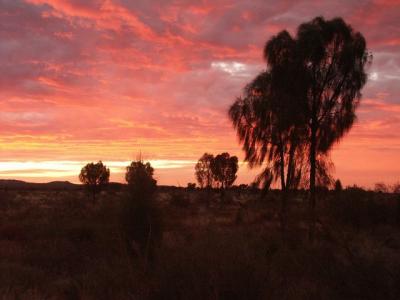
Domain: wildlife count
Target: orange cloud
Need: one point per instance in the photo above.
(89, 80)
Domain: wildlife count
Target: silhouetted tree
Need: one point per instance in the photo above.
(95, 176)
(224, 168)
(139, 176)
(316, 78)
(327, 60)
(332, 59)
(203, 171)
(141, 219)
(338, 185)
(269, 122)
(269, 128)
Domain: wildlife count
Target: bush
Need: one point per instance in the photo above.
(139, 176)
(141, 219)
(191, 186)
(338, 186)
(142, 227)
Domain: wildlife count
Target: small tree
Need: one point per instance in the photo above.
(141, 219)
(338, 185)
(203, 171)
(224, 168)
(139, 177)
(95, 176)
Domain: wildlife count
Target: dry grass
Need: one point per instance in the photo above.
(58, 245)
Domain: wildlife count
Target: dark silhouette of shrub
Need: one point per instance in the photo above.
(94, 176)
(191, 186)
(139, 177)
(142, 226)
(338, 186)
(141, 219)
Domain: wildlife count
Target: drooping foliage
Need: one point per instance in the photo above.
(269, 124)
(291, 114)
(333, 58)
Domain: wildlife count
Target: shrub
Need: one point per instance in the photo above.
(191, 186)
(338, 186)
(139, 176)
(142, 226)
(141, 219)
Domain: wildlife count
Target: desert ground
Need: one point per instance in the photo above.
(59, 244)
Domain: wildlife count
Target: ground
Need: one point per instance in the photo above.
(62, 245)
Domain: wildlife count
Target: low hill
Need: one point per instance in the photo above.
(13, 184)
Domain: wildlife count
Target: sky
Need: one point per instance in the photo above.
(89, 80)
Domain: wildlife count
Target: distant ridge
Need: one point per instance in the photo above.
(13, 184)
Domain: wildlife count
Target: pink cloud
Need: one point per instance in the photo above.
(107, 79)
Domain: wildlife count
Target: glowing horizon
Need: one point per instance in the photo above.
(83, 81)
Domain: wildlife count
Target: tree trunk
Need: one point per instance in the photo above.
(291, 167)
(283, 211)
(312, 215)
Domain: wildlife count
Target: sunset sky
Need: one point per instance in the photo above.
(88, 80)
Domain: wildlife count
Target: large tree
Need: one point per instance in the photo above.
(331, 64)
(303, 103)
(269, 123)
(267, 126)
